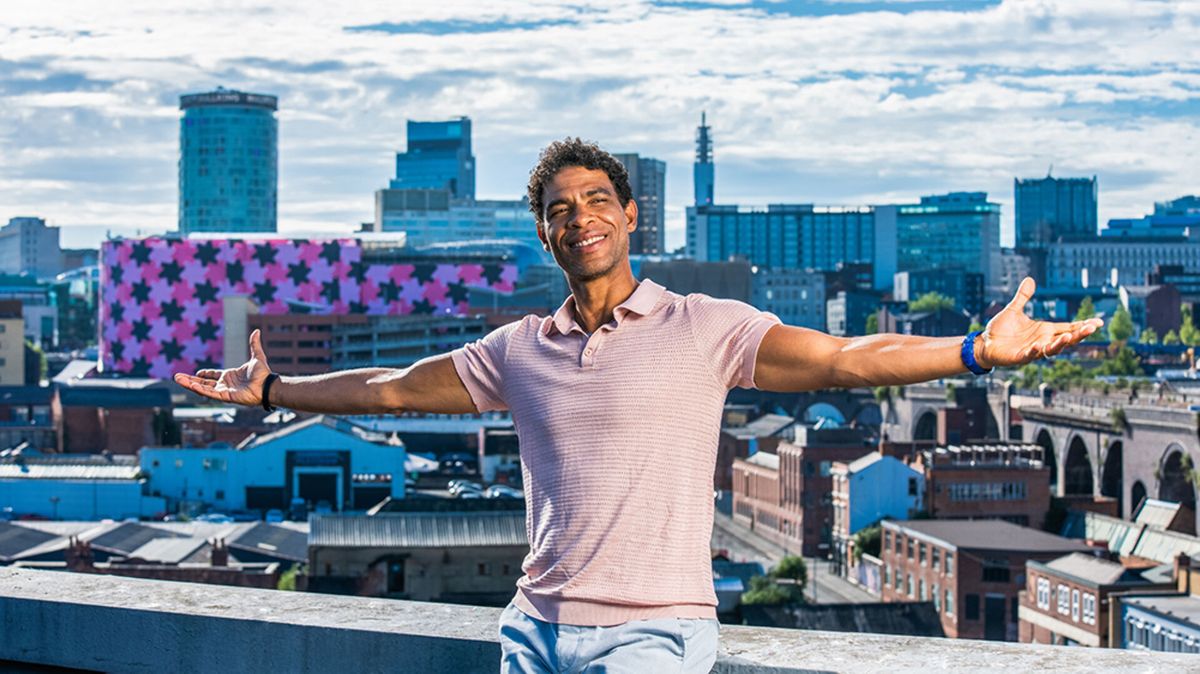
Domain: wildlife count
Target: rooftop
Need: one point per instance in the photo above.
(420, 530)
(1095, 570)
(764, 459)
(74, 621)
(988, 535)
(1180, 607)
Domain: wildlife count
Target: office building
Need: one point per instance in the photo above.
(438, 158)
(400, 341)
(846, 312)
(726, 280)
(703, 170)
(228, 162)
(1049, 209)
(648, 180)
(959, 230)
(28, 246)
(796, 296)
(964, 287)
(1114, 261)
(429, 217)
(12, 344)
(1170, 220)
(985, 482)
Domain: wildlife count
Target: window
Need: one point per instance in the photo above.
(1043, 593)
(995, 571)
(1075, 605)
(912, 486)
(896, 579)
(971, 607)
(911, 545)
(887, 540)
(921, 589)
(949, 563)
(1089, 609)
(885, 576)
(485, 569)
(899, 544)
(1064, 599)
(949, 602)
(220, 494)
(935, 557)
(921, 553)
(936, 593)
(908, 584)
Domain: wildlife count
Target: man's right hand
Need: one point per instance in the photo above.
(241, 385)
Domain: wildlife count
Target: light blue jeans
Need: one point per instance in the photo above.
(662, 645)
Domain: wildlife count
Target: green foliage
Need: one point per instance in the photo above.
(764, 591)
(931, 301)
(1119, 421)
(1188, 334)
(287, 579)
(868, 540)
(872, 323)
(951, 393)
(1029, 376)
(1148, 336)
(882, 394)
(1087, 309)
(35, 364)
(975, 325)
(1171, 337)
(1063, 373)
(1123, 363)
(1120, 327)
(791, 567)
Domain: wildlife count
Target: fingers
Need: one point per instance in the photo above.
(256, 348)
(209, 374)
(202, 386)
(1024, 293)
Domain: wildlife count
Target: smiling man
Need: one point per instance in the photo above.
(617, 400)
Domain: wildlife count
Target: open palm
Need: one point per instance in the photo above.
(1012, 338)
(242, 385)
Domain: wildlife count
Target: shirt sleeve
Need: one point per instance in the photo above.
(480, 366)
(728, 334)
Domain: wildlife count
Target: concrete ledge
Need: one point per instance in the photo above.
(116, 624)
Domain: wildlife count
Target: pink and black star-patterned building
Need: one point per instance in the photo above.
(161, 299)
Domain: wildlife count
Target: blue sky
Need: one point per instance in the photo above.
(828, 102)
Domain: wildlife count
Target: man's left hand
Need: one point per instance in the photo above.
(1012, 338)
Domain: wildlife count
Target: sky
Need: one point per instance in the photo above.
(831, 102)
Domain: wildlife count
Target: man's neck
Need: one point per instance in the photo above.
(596, 299)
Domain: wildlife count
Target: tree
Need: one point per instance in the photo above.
(1120, 328)
(931, 301)
(1122, 363)
(1188, 334)
(872, 323)
(868, 540)
(1086, 310)
(1148, 336)
(793, 568)
(975, 325)
(1171, 337)
(764, 591)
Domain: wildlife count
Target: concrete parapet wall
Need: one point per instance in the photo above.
(115, 624)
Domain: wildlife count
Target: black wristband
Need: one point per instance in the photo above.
(266, 394)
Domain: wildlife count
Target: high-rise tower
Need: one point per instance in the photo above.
(648, 179)
(702, 170)
(438, 158)
(228, 162)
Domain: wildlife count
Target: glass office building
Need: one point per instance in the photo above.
(438, 158)
(959, 230)
(1051, 208)
(648, 180)
(228, 163)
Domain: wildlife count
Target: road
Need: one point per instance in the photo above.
(743, 545)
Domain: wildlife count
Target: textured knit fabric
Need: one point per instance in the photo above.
(618, 435)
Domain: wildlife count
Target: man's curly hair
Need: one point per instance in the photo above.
(570, 152)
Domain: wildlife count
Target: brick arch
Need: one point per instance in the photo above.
(1078, 471)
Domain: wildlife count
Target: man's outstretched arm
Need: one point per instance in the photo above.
(431, 385)
(798, 359)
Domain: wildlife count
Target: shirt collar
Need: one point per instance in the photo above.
(643, 300)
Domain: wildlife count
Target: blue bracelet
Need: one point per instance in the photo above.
(968, 354)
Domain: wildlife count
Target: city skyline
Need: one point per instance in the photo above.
(826, 102)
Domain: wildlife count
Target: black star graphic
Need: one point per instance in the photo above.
(117, 274)
(172, 350)
(206, 292)
(331, 290)
(118, 349)
(458, 292)
(141, 252)
(171, 271)
(332, 252)
(235, 271)
(172, 312)
(358, 308)
(492, 272)
(423, 272)
(116, 311)
(141, 330)
(140, 368)
(264, 293)
(390, 290)
(206, 253)
(265, 254)
(358, 271)
(422, 307)
(141, 291)
(206, 330)
(298, 272)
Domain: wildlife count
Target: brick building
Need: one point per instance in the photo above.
(1007, 482)
(740, 441)
(1066, 600)
(973, 572)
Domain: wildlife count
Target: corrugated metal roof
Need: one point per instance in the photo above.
(126, 537)
(862, 462)
(41, 471)
(1088, 567)
(15, 539)
(168, 550)
(420, 530)
(1164, 546)
(272, 541)
(1157, 513)
(989, 535)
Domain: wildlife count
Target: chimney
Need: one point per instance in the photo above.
(220, 553)
(78, 555)
(1183, 577)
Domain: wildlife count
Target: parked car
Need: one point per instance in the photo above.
(466, 486)
(503, 491)
(245, 516)
(215, 518)
(298, 510)
(323, 508)
(274, 515)
(470, 494)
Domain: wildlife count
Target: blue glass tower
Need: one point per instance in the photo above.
(228, 162)
(438, 158)
(1051, 208)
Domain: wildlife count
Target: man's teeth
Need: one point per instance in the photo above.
(587, 242)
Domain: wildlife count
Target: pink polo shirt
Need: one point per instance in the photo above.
(618, 434)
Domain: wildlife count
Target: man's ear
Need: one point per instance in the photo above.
(631, 213)
(542, 233)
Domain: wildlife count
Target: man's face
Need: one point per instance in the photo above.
(584, 224)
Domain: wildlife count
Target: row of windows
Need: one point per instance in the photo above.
(918, 591)
(917, 549)
(1141, 635)
(1081, 608)
(987, 491)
